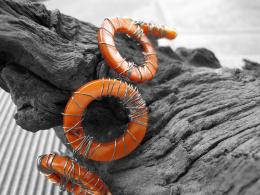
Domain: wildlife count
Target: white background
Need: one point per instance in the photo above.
(230, 28)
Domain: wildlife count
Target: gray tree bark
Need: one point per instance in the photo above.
(203, 135)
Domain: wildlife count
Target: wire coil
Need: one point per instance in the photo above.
(106, 42)
(70, 175)
(84, 145)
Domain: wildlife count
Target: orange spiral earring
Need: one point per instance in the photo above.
(137, 30)
(110, 53)
(84, 145)
(70, 175)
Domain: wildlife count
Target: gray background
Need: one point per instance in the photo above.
(230, 28)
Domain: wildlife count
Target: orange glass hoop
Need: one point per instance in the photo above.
(86, 146)
(71, 176)
(105, 36)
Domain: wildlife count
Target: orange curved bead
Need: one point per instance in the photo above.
(160, 31)
(84, 145)
(71, 176)
(106, 42)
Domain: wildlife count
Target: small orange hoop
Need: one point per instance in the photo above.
(70, 175)
(84, 145)
(110, 53)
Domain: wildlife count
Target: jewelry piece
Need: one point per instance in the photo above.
(67, 172)
(157, 30)
(84, 145)
(70, 175)
(106, 42)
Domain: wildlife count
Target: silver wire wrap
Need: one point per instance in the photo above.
(69, 175)
(153, 27)
(132, 101)
(137, 34)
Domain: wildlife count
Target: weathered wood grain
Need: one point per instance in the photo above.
(204, 128)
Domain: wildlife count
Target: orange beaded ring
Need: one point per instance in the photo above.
(112, 56)
(70, 175)
(137, 30)
(86, 146)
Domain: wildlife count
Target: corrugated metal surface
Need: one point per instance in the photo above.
(18, 153)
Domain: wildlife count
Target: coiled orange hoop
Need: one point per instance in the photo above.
(105, 36)
(70, 175)
(85, 145)
(137, 30)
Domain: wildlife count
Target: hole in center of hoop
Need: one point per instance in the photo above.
(132, 53)
(105, 119)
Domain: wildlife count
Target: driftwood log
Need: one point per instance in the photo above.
(204, 128)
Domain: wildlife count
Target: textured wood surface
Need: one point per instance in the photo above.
(203, 135)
